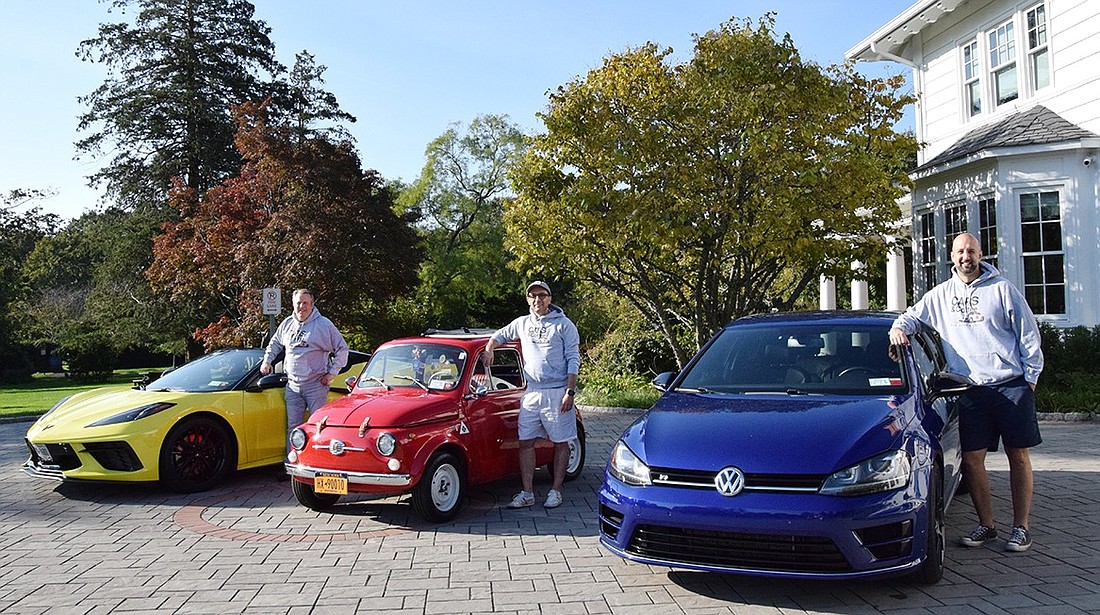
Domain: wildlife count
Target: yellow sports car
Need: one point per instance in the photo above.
(188, 429)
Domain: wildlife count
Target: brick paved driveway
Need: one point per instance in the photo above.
(249, 548)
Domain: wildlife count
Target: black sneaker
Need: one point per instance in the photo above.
(1020, 540)
(979, 536)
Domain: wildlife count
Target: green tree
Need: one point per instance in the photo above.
(715, 188)
(309, 109)
(299, 214)
(458, 202)
(164, 109)
(20, 231)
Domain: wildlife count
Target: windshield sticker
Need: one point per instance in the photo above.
(884, 382)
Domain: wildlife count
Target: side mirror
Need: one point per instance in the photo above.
(947, 384)
(350, 382)
(270, 381)
(662, 380)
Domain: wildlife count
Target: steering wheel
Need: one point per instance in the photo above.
(855, 370)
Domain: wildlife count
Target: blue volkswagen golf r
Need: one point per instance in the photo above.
(792, 445)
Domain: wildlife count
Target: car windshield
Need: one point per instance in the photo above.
(816, 358)
(217, 371)
(431, 366)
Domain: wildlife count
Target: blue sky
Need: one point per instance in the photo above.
(405, 69)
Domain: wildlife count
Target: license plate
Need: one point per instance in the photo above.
(43, 452)
(335, 484)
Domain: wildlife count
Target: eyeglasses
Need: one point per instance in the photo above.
(537, 295)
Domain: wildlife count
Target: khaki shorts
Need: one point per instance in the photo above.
(540, 416)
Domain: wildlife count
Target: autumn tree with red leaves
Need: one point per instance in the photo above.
(301, 213)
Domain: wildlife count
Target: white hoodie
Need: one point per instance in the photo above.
(989, 332)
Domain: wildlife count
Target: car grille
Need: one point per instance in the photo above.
(703, 479)
(61, 455)
(738, 550)
(117, 456)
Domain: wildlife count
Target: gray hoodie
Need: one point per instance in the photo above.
(550, 344)
(313, 348)
(989, 332)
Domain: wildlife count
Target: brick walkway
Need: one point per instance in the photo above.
(250, 548)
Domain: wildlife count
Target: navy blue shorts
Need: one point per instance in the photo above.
(998, 412)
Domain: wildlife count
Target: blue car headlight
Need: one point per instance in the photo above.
(626, 466)
(880, 473)
(132, 415)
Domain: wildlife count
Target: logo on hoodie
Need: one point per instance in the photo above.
(967, 308)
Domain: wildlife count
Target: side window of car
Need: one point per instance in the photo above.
(925, 355)
(505, 373)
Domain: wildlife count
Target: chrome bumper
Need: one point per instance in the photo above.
(49, 472)
(355, 478)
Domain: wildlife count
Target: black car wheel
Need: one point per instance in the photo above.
(575, 465)
(198, 453)
(311, 499)
(440, 491)
(931, 570)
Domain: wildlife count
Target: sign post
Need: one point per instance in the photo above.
(272, 304)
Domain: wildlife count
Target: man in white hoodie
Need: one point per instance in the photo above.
(991, 337)
(315, 352)
(551, 361)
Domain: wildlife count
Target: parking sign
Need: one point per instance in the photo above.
(273, 301)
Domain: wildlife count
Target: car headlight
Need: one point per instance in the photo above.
(298, 438)
(626, 466)
(132, 415)
(877, 474)
(386, 444)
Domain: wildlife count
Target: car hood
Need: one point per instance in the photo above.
(90, 406)
(397, 408)
(768, 434)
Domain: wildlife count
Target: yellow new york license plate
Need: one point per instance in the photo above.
(336, 484)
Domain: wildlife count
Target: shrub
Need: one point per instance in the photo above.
(1071, 374)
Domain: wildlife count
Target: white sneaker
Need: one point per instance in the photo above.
(523, 499)
(553, 499)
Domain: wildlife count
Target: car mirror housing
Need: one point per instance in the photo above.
(270, 381)
(947, 384)
(662, 380)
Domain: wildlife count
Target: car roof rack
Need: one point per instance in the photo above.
(464, 332)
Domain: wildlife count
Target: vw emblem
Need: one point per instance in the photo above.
(730, 481)
(336, 447)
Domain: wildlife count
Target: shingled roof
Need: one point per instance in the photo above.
(1036, 126)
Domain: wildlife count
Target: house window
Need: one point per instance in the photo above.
(972, 84)
(928, 257)
(987, 229)
(954, 223)
(1044, 258)
(1038, 52)
(1002, 63)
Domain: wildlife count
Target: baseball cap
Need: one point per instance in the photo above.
(539, 283)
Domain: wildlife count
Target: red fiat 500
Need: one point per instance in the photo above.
(425, 417)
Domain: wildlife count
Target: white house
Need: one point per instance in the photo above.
(1008, 112)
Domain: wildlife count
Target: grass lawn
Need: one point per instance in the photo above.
(45, 390)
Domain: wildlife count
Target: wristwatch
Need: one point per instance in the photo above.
(570, 392)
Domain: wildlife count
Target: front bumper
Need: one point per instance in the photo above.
(365, 479)
(792, 535)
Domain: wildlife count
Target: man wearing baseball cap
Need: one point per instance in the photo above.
(551, 361)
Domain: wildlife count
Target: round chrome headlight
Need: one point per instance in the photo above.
(298, 439)
(386, 444)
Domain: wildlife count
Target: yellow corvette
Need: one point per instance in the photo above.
(187, 429)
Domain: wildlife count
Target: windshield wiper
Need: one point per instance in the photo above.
(694, 390)
(380, 381)
(410, 378)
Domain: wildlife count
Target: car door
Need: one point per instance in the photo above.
(929, 358)
(492, 415)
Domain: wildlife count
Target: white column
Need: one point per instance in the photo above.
(827, 299)
(860, 297)
(895, 279)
